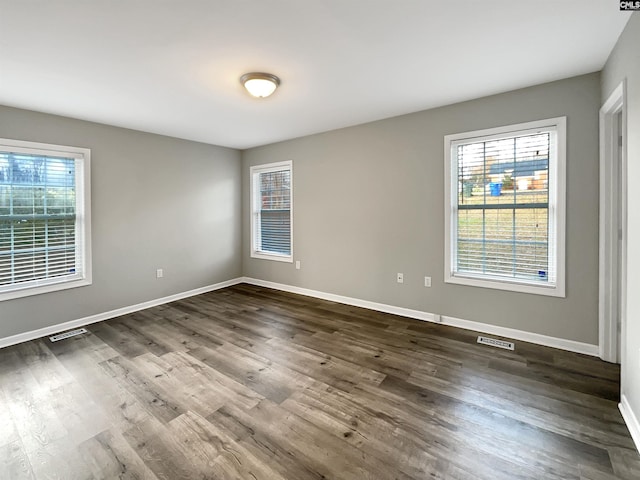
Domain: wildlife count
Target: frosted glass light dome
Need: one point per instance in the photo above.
(260, 85)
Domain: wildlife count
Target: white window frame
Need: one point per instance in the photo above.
(556, 209)
(255, 171)
(82, 158)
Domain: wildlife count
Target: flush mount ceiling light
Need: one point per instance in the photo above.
(259, 84)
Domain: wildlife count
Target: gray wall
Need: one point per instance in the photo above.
(624, 62)
(157, 202)
(368, 203)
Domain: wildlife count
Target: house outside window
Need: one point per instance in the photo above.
(44, 218)
(505, 208)
(272, 211)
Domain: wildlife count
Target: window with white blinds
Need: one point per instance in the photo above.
(505, 201)
(271, 219)
(44, 224)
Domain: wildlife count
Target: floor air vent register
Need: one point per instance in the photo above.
(70, 333)
(496, 343)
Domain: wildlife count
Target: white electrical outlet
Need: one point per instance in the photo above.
(427, 281)
(400, 278)
(297, 264)
(159, 273)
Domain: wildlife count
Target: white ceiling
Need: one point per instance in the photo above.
(173, 66)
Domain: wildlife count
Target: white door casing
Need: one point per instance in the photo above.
(612, 226)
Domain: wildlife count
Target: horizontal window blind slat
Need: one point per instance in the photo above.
(33, 217)
(503, 206)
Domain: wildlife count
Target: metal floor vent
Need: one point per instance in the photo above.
(496, 343)
(70, 333)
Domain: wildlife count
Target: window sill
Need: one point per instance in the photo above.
(272, 256)
(27, 291)
(504, 284)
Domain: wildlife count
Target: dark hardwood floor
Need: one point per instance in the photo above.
(252, 383)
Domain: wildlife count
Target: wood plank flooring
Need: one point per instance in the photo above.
(251, 383)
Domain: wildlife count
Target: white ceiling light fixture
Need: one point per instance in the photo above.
(259, 84)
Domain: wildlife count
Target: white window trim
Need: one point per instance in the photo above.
(83, 220)
(557, 211)
(266, 168)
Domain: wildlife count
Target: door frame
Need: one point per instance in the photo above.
(613, 175)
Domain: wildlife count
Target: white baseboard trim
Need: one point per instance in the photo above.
(538, 339)
(631, 420)
(511, 333)
(561, 343)
(81, 322)
(356, 302)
